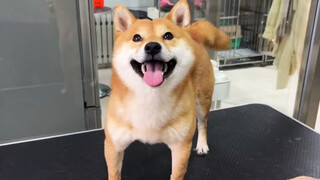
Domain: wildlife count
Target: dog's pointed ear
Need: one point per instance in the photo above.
(180, 14)
(122, 18)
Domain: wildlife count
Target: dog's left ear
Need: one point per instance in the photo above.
(180, 14)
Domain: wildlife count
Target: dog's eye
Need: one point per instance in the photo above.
(168, 36)
(137, 38)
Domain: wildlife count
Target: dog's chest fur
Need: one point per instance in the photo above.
(148, 115)
(149, 111)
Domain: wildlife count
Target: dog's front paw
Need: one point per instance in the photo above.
(202, 148)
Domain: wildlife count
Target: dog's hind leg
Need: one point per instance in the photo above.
(203, 108)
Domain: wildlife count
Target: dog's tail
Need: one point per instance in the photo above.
(207, 34)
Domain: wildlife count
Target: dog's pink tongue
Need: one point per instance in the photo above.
(153, 75)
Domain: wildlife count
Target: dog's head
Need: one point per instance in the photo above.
(152, 54)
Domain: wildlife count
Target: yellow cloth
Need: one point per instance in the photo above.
(274, 19)
(288, 50)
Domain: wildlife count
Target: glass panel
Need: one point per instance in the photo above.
(248, 63)
(244, 73)
(40, 73)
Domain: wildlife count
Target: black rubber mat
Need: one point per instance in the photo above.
(247, 142)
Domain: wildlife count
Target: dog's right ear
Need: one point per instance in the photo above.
(122, 18)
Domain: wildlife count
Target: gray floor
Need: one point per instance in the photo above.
(248, 85)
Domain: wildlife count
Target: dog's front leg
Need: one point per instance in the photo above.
(180, 155)
(113, 157)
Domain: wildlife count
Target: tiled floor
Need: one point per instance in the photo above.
(248, 85)
(258, 85)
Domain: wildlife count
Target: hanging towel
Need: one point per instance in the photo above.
(288, 50)
(274, 19)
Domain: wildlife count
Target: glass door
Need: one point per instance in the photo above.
(47, 73)
(260, 66)
(255, 63)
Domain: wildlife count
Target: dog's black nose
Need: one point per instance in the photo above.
(152, 48)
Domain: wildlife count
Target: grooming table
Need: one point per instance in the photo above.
(247, 142)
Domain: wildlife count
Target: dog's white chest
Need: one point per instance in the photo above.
(148, 116)
(148, 113)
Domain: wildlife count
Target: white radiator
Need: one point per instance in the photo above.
(105, 38)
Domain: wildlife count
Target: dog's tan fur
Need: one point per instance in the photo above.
(191, 98)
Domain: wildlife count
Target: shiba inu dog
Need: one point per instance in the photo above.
(162, 82)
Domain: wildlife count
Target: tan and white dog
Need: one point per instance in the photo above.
(162, 82)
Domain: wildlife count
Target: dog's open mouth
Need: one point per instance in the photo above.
(154, 72)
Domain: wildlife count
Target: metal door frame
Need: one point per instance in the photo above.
(308, 92)
(89, 64)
